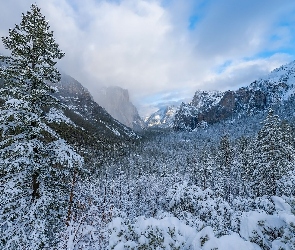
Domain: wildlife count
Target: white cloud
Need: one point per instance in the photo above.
(146, 47)
(242, 72)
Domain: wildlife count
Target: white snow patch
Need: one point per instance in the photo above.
(55, 115)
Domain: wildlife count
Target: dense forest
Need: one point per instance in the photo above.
(227, 185)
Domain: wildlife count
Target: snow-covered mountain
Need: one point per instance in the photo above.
(117, 103)
(163, 118)
(213, 106)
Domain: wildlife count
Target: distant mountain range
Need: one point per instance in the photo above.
(275, 90)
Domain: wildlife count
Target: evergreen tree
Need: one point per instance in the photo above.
(273, 155)
(38, 169)
(243, 169)
(224, 168)
(203, 171)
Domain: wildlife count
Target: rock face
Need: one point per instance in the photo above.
(116, 102)
(215, 106)
(163, 118)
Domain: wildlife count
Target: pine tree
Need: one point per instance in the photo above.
(38, 169)
(224, 168)
(204, 170)
(273, 155)
(243, 169)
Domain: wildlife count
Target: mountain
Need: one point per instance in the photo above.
(163, 118)
(87, 114)
(117, 103)
(271, 91)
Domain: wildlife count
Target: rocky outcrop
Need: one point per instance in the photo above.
(117, 103)
(215, 106)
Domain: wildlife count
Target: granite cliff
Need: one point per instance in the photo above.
(117, 103)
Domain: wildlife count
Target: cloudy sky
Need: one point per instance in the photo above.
(164, 50)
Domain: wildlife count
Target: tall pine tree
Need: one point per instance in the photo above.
(38, 169)
(224, 168)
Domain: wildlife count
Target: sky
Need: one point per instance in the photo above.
(162, 51)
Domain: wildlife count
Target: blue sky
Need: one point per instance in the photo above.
(165, 50)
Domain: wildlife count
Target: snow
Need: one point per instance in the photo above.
(261, 228)
(165, 232)
(230, 242)
(163, 118)
(116, 132)
(187, 215)
(171, 232)
(281, 80)
(281, 205)
(253, 222)
(55, 115)
(204, 98)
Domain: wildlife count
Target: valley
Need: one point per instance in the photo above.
(83, 171)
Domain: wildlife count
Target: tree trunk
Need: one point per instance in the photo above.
(35, 185)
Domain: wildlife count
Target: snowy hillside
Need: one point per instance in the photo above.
(163, 118)
(79, 100)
